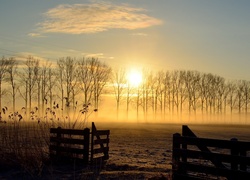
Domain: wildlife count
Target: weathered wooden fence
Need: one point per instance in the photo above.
(99, 145)
(74, 144)
(203, 158)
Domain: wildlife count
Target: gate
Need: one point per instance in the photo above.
(203, 158)
(74, 145)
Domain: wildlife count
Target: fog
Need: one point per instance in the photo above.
(108, 113)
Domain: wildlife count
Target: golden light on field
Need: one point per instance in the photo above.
(134, 78)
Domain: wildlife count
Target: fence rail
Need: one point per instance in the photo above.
(74, 144)
(69, 144)
(193, 157)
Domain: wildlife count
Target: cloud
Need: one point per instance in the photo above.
(35, 35)
(23, 56)
(97, 55)
(94, 18)
(94, 55)
(139, 34)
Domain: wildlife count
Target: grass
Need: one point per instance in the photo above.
(24, 139)
(24, 147)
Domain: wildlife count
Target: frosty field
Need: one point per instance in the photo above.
(147, 148)
(137, 151)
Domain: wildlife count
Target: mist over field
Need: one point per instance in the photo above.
(89, 89)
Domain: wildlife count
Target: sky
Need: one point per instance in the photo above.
(210, 36)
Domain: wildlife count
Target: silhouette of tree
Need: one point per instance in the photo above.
(12, 80)
(28, 79)
(67, 81)
(119, 82)
(3, 70)
(102, 74)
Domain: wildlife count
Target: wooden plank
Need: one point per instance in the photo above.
(214, 170)
(101, 150)
(101, 132)
(67, 131)
(101, 141)
(66, 149)
(226, 144)
(67, 140)
(193, 154)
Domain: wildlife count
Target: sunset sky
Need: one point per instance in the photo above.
(211, 36)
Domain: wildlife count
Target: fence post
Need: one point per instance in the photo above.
(234, 152)
(92, 141)
(86, 146)
(175, 155)
(59, 136)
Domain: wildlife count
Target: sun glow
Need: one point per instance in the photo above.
(134, 78)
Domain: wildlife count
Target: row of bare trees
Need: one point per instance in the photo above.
(42, 85)
(71, 82)
(178, 91)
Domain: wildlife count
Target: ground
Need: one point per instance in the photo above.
(137, 151)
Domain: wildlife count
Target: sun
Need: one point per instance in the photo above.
(134, 78)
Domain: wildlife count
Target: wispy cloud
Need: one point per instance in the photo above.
(96, 55)
(35, 35)
(100, 55)
(139, 34)
(95, 17)
(23, 56)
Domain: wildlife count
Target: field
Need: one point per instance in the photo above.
(137, 151)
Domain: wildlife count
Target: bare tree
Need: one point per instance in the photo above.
(192, 82)
(12, 80)
(3, 70)
(167, 91)
(219, 87)
(182, 89)
(148, 91)
(102, 74)
(244, 87)
(46, 83)
(28, 79)
(67, 80)
(118, 83)
(160, 90)
(239, 95)
(128, 98)
(86, 79)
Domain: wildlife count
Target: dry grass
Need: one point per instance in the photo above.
(24, 139)
(24, 146)
(137, 151)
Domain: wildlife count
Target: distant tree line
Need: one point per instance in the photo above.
(71, 82)
(44, 85)
(179, 90)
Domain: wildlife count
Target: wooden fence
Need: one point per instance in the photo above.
(74, 144)
(99, 145)
(203, 158)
